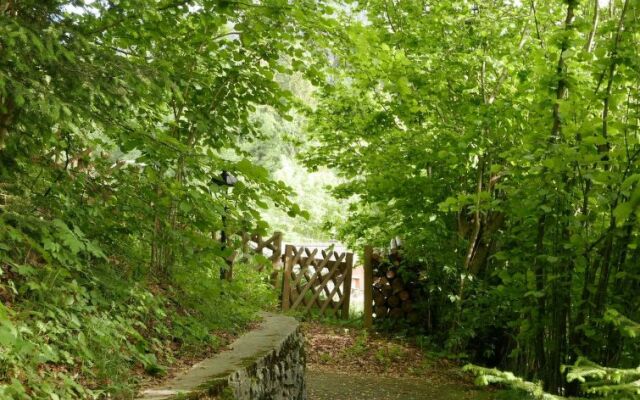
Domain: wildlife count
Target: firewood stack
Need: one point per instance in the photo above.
(393, 298)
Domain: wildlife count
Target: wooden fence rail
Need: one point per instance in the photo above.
(255, 243)
(258, 244)
(368, 286)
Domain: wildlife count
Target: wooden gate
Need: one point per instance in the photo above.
(317, 281)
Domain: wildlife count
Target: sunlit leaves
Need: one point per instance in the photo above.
(501, 121)
(114, 118)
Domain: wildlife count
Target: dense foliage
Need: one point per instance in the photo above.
(500, 140)
(114, 117)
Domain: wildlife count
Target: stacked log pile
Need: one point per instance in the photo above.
(393, 298)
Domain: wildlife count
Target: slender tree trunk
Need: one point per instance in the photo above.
(611, 352)
(594, 26)
(554, 381)
(605, 272)
(157, 238)
(540, 306)
(578, 338)
(475, 236)
(7, 109)
(603, 282)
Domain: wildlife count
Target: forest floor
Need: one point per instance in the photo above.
(348, 363)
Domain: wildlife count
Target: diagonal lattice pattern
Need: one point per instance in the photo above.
(319, 280)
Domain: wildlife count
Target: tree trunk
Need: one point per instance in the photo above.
(540, 306)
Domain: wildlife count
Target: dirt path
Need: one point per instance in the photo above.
(349, 364)
(322, 385)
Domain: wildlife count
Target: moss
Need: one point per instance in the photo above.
(215, 385)
(227, 394)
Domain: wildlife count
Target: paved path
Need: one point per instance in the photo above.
(323, 385)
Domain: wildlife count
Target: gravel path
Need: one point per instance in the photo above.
(324, 385)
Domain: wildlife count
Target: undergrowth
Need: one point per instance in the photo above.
(68, 334)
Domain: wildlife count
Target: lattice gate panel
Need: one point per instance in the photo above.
(317, 281)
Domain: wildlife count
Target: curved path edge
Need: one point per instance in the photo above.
(268, 362)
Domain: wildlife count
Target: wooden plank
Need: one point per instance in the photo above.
(295, 256)
(318, 272)
(245, 242)
(276, 257)
(329, 300)
(347, 286)
(326, 279)
(310, 280)
(304, 264)
(330, 265)
(277, 249)
(288, 269)
(368, 287)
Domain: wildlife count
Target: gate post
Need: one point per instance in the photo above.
(286, 279)
(347, 286)
(368, 287)
(277, 249)
(276, 259)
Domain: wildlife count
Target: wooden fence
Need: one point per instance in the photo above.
(313, 279)
(255, 243)
(317, 281)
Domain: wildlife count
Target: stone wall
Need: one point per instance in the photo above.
(267, 363)
(277, 375)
